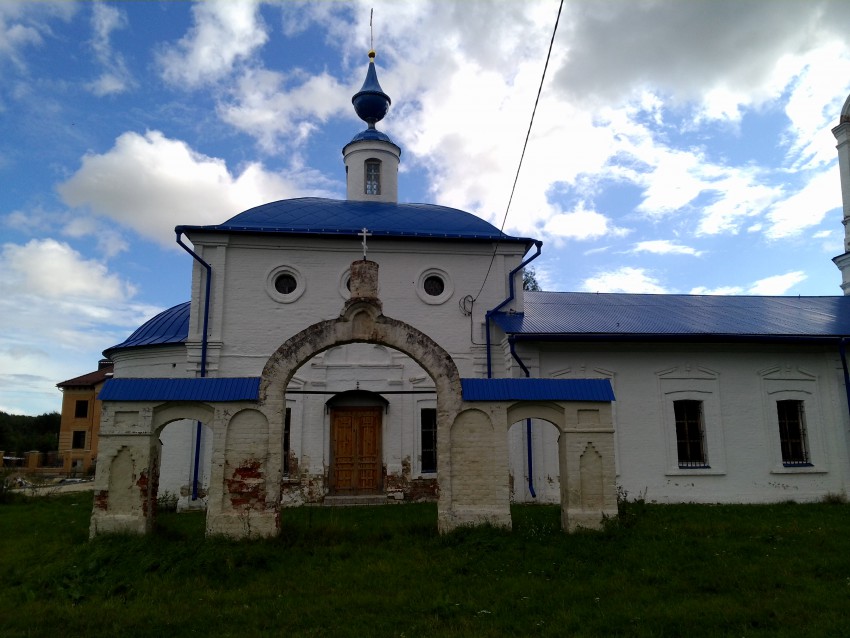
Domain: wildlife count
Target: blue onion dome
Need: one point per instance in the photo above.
(370, 102)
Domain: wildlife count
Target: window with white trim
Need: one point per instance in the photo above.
(285, 284)
(373, 177)
(690, 433)
(693, 421)
(793, 420)
(792, 433)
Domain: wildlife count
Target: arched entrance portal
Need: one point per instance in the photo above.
(361, 321)
(248, 418)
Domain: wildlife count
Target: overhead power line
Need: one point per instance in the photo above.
(524, 146)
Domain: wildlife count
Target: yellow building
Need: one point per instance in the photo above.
(80, 425)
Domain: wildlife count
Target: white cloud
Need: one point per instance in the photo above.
(777, 284)
(817, 94)
(24, 24)
(264, 108)
(152, 183)
(581, 224)
(37, 221)
(47, 268)
(774, 285)
(739, 197)
(462, 100)
(721, 54)
(625, 279)
(110, 242)
(225, 32)
(57, 308)
(115, 77)
(664, 247)
(722, 290)
(807, 207)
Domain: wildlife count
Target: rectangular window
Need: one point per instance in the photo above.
(373, 177)
(428, 418)
(792, 433)
(690, 435)
(81, 409)
(78, 440)
(286, 445)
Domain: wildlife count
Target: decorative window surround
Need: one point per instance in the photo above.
(785, 383)
(274, 293)
(693, 383)
(431, 299)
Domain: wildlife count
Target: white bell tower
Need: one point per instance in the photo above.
(842, 136)
(371, 158)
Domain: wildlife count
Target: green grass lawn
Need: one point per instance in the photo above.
(659, 570)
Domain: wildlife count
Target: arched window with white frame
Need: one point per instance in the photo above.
(373, 177)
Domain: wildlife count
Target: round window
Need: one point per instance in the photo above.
(344, 284)
(434, 285)
(285, 284)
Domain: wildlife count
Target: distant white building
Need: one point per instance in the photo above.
(717, 399)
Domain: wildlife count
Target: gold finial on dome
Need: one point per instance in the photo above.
(372, 55)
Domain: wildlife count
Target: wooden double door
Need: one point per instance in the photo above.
(356, 463)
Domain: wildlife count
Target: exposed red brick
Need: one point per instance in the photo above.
(101, 500)
(246, 486)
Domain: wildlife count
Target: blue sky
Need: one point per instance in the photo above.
(678, 146)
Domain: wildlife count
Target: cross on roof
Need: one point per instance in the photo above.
(364, 233)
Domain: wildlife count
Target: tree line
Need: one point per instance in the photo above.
(20, 433)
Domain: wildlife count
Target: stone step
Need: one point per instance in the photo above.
(352, 500)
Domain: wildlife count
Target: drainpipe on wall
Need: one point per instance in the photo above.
(531, 491)
(199, 426)
(843, 352)
(539, 246)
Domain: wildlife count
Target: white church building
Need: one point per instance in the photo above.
(347, 352)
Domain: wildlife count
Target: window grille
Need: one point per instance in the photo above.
(792, 433)
(690, 434)
(286, 441)
(428, 428)
(373, 177)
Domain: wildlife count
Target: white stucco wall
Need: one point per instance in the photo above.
(739, 386)
(248, 320)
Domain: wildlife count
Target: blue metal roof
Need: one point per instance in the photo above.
(197, 389)
(630, 315)
(318, 216)
(537, 390)
(372, 135)
(169, 326)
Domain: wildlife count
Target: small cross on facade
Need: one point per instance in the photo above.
(364, 233)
